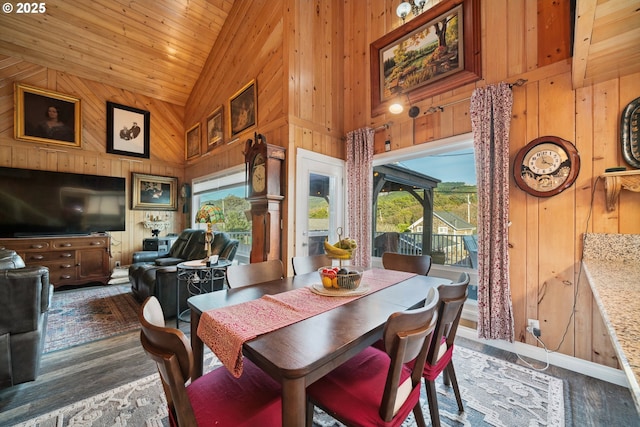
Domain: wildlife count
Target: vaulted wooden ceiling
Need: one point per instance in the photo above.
(158, 47)
(152, 47)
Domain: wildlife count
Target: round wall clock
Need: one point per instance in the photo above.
(546, 166)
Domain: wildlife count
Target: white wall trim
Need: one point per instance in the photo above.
(584, 367)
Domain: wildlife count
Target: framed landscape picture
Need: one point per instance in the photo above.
(437, 51)
(192, 142)
(154, 192)
(242, 109)
(127, 130)
(215, 133)
(46, 116)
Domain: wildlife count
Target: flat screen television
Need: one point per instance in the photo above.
(45, 203)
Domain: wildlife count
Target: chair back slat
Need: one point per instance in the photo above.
(307, 264)
(406, 337)
(257, 272)
(418, 264)
(450, 305)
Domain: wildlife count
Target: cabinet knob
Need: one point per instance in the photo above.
(37, 246)
(65, 277)
(37, 257)
(65, 245)
(96, 243)
(65, 266)
(65, 255)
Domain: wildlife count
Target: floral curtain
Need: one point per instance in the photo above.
(490, 119)
(359, 192)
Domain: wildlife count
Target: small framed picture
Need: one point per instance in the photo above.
(242, 109)
(127, 130)
(215, 133)
(192, 142)
(154, 192)
(46, 116)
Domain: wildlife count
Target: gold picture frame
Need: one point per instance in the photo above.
(192, 142)
(437, 51)
(243, 106)
(154, 192)
(215, 128)
(47, 117)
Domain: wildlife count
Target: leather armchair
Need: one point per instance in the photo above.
(160, 279)
(25, 297)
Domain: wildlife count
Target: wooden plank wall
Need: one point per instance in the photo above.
(546, 234)
(167, 146)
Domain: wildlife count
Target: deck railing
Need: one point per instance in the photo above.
(448, 249)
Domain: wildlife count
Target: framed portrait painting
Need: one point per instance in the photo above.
(437, 51)
(46, 116)
(192, 142)
(154, 192)
(242, 109)
(127, 130)
(215, 132)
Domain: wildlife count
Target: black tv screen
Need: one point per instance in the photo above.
(41, 203)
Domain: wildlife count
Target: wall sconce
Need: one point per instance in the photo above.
(415, 6)
(396, 107)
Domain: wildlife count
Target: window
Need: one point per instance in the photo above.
(227, 190)
(425, 201)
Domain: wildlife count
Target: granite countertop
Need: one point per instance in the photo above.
(611, 264)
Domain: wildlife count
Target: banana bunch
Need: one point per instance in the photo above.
(341, 249)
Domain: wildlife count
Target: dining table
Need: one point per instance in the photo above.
(300, 353)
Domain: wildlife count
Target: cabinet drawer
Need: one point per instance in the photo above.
(33, 258)
(20, 245)
(85, 242)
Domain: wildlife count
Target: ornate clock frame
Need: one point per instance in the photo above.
(265, 193)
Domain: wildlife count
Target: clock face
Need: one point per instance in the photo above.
(258, 178)
(546, 166)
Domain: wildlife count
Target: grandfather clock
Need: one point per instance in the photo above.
(264, 172)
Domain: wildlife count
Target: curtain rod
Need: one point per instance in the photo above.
(440, 108)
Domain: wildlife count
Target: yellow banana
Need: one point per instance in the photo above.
(334, 252)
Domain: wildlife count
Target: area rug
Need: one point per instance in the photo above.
(80, 316)
(495, 393)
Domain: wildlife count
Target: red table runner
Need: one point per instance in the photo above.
(224, 330)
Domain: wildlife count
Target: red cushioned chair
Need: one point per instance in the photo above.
(216, 398)
(452, 298)
(376, 387)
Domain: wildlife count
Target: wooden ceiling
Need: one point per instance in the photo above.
(158, 47)
(607, 40)
(152, 47)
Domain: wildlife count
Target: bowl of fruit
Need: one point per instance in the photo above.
(346, 277)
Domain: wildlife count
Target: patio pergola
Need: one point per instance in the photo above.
(388, 178)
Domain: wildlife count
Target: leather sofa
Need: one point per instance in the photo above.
(25, 297)
(159, 277)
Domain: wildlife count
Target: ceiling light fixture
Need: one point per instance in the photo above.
(415, 6)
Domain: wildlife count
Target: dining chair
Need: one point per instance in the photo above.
(307, 264)
(257, 272)
(418, 264)
(377, 387)
(439, 355)
(214, 399)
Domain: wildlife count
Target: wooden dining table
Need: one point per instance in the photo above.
(299, 354)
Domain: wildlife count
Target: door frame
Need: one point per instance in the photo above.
(311, 162)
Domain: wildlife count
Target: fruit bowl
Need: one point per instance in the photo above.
(347, 277)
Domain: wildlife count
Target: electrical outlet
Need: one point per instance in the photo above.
(533, 326)
(117, 263)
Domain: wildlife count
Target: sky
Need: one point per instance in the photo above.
(456, 166)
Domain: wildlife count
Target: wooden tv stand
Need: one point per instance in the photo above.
(72, 260)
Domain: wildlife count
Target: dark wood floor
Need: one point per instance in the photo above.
(73, 374)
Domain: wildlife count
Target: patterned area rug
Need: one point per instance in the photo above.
(83, 315)
(495, 393)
